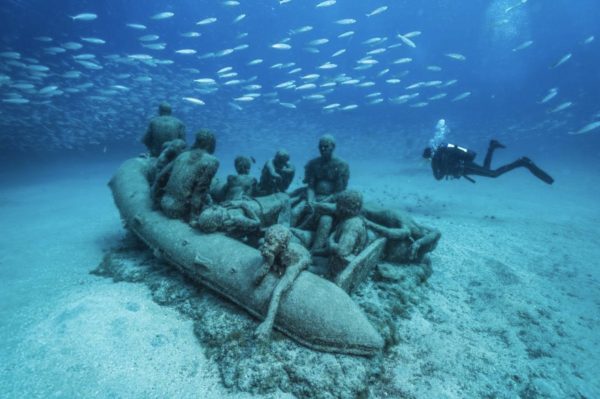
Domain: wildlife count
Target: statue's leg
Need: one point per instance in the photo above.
(302, 237)
(298, 212)
(322, 233)
(264, 329)
(285, 213)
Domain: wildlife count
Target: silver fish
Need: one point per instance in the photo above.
(376, 11)
(588, 128)
(326, 3)
(456, 56)
(86, 16)
(564, 59)
(462, 96)
(551, 94)
(136, 26)
(193, 100)
(562, 106)
(407, 41)
(93, 40)
(163, 15)
(523, 45)
(206, 21)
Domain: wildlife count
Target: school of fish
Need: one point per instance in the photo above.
(306, 68)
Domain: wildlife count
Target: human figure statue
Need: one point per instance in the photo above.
(286, 260)
(163, 128)
(350, 235)
(407, 240)
(452, 161)
(240, 218)
(235, 218)
(277, 174)
(170, 151)
(324, 176)
(186, 180)
(242, 185)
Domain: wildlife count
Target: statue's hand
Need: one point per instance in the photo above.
(414, 250)
(404, 233)
(263, 332)
(228, 225)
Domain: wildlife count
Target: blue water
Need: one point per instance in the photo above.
(67, 124)
(87, 115)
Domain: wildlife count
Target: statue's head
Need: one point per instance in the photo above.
(277, 238)
(164, 109)
(326, 146)
(348, 203)
(242, 165)
(281, 158)
(428, 153)
(212, 219)
(205, 140)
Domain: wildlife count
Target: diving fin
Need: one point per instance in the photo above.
(537, 172)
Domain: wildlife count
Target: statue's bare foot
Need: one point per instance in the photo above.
(263, 332)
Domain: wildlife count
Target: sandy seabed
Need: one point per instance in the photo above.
(512, 308)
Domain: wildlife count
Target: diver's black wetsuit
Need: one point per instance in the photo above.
(452, 161)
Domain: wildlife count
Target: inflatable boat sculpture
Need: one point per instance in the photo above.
(315, 312)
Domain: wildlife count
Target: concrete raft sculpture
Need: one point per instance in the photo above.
(315, 312)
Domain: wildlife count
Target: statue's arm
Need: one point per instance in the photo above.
(347, 242)
(271, 168)
(147, 136)
(182, 132)
(261, 272)
(428, 240)
(392, 233)
(343, 178)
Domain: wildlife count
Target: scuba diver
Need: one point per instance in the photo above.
(452, 161)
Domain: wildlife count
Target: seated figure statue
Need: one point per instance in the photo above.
(239, 218)
(324, 176)
(184, 183)
(350, 235)
(242, 185)
(170, 151)
(277, 174)
(407, 240)
(162, 128)
(287, 260)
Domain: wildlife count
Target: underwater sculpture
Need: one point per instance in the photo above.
(407, 241)
(277, 174)
(185, 182)
(163, 128)
(349, 236)
(339, 327)
(241, 185)
(239, 218)
(287, 260)
(324, 176)
(170, 151)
